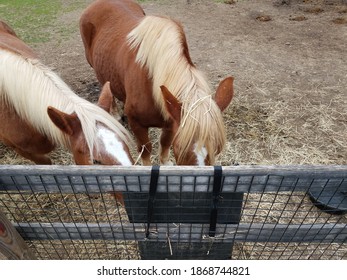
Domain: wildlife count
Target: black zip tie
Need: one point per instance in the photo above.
(152, 191)
(217, 187)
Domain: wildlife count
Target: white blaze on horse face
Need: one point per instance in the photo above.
(113, 146)
(200, 155)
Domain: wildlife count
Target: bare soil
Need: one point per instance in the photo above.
(289, 60)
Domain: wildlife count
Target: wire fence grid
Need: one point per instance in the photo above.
(263, 212)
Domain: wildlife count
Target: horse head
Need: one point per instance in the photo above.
(109, 148)
(196, 153)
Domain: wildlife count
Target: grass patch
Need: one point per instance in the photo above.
(30, 18)
(35, 21)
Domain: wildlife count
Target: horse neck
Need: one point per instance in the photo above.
(161, 48)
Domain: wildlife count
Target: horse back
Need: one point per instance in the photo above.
(108, 20)
(104, 27)
(9, 41)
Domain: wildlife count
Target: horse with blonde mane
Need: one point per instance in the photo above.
(33, 127)
(147, 62)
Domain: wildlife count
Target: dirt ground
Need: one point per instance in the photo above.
(289, 60)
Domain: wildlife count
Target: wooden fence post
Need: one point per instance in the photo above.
(12, 245)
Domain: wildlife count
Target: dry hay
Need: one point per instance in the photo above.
(85, 249)
(275, 132)
(71, 208)
(287, 208)
(59, 156)
(288, 251)
(284, 208)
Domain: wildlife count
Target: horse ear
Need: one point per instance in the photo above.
(4, 26)
(224, 93)
(173, 106)
(67, 123)
(106, 98)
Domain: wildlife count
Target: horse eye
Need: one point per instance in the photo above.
(96, 162)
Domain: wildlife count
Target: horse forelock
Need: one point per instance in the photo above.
(201, 126)
(160, 45)
(38, 87)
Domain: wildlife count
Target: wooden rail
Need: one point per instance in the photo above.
(329, 233)
(248, 179)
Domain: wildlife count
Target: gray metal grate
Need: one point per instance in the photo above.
(264, 212)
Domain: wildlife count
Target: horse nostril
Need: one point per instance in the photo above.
(96, 162)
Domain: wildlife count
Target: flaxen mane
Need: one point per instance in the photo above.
(30, 87)
(160, 48)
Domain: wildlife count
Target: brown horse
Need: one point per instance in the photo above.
(33, 128)
(147, 61)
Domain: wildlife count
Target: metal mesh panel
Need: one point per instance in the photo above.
(62, 226)
(263, 212)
